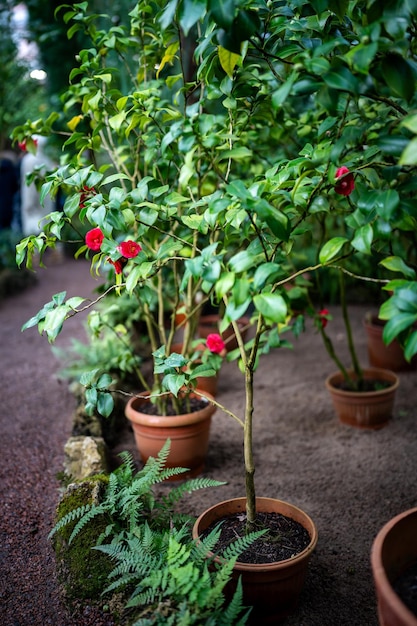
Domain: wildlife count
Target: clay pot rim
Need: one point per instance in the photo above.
(368, 372)
(390, 597)
(309, 525)
(168, 421)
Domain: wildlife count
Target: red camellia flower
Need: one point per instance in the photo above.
(347, 183)
(215, 343)
(94, 239)
(323, 317)
(129, 249)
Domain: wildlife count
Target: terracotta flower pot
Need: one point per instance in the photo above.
(364, 409)
(189, 435)
(394, 550)
(389, 356)
(210, 324)
(273, 589)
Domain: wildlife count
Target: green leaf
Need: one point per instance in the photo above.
(105, 403)
(223, 12)
(398, 75)
(228, 60)
(409, 155)
(331, 248)
(281, 94)
(265, 273)
(362, 240)
(190, 12)
(339, 7)
(174, 383)
(396, 264)
(411, 346)
(386, 204)
(396, 325)
(224, 284)
(272, 306)
(241, 261)
(342, 79)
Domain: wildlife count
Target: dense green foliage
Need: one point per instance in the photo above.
(217, 149)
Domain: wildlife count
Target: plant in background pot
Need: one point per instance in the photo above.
(214, 167)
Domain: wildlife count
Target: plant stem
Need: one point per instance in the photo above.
(355, 363)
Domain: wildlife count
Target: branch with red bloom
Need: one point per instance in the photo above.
(129, 249)
(94, 238)
(215, 343)
(345, 182)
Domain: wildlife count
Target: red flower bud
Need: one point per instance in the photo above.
(215, 343)
(118, 265)
(129, 249)
(346, 185)
(323, 317)
(87, 192)
(94, 239)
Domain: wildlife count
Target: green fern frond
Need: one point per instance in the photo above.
(232, 613)
(205, 545)
(69, 518)
(241, 544)
(93, 512)
(191, 485)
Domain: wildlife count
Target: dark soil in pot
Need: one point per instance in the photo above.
(406, 588)
(187, 406)
(285, 537)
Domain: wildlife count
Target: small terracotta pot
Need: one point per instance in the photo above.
(210, 324)
(273, 589)
(189, 434)
(364, 409)
(389, 356)
(394, 550)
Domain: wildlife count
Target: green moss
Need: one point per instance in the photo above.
(81, 570)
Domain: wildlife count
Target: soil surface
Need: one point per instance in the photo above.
(349, 481)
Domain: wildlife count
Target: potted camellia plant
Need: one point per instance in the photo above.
(240, 128)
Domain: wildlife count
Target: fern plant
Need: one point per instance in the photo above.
(173, 581)
(129, 500)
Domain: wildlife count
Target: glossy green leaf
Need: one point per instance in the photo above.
(386, 204)
(396, 325)
(331, 248)
(191, 11)
(362, 240)
(398, 75)
(396, 264)
(105, 403)
(264, 274)
(272, 306)
(409, 155)
(223, 12)
(411, 346)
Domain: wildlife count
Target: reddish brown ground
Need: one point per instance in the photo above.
(349, 481)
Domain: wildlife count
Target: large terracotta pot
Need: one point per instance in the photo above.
(189, 435)
(364, 409)
(389, 356)
(273, 589)
(210, 324)
(394, 550)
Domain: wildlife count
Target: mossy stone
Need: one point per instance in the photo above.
(81, 570)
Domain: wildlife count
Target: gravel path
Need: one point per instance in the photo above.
(350, 482)
(36, 421)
